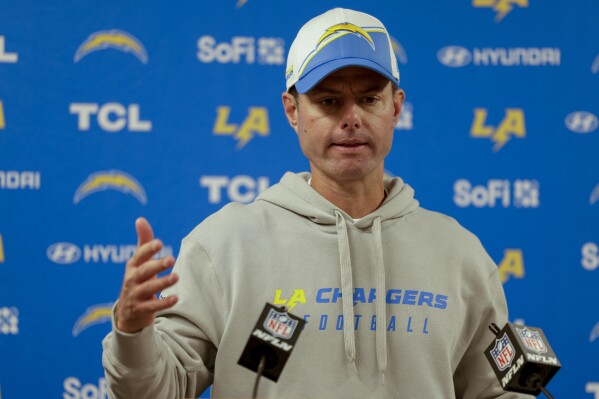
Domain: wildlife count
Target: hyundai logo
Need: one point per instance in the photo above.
(63, 253)
(454, 56)
(581, 122)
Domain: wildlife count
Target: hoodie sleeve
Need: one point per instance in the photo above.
(474, 378)
(174, 357)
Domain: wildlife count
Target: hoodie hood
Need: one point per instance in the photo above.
(295, 194)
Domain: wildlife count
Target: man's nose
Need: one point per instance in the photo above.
(351, 115)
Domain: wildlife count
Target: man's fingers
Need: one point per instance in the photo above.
(152, 268)
(144, 231)
(152, 287)
(155, 305)
(145, 252)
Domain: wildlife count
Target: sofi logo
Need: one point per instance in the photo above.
(111, 117)
(497, 193)
(255, 122)
(241, 188)
(266, 50)
(512, 125)
(590, 256)
(75, 389)
(501, 7)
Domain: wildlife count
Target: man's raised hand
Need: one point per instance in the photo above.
(138, 304)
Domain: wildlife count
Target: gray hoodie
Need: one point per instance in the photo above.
(397, 304)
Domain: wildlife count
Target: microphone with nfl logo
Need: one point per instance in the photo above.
(522, 359)
(271, 343)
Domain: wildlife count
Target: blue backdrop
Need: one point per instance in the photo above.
(112, 110)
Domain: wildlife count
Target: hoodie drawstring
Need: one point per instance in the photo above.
(347, 292)
(347, 289)
(381, 309)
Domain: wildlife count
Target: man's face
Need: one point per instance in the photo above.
(345, 123)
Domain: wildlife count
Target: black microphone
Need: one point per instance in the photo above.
(271, 342)
(522, 359)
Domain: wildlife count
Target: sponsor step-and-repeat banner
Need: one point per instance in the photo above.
(113, 110)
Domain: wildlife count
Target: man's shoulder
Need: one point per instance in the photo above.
(232, 219)
(444, 227)
(439, 220)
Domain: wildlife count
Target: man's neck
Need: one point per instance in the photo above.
(356, 198)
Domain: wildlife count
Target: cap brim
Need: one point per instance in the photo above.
(312, 78)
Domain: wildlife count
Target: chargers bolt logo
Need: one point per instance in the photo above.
(336, 32)
(63, 253)
(503, 353)
(115, 39)
(111, 180)
(96, 314)
(399, 51)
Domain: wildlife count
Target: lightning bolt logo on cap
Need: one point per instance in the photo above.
(111, 180)
(343, 29)
(337, 39)
(115, 39)
(337, 32)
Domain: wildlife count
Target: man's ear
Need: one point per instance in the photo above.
(290, 107)
(398, 98)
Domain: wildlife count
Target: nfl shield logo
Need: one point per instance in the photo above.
(503, 352)
(532, 340)
(279, 324)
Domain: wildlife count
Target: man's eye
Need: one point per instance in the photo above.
(328, 101)
(369, 99)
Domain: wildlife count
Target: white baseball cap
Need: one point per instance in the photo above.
(337, 39)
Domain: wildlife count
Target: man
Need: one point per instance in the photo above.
(397, 299)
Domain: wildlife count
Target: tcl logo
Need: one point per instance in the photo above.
(241, 188)
(111, 117)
